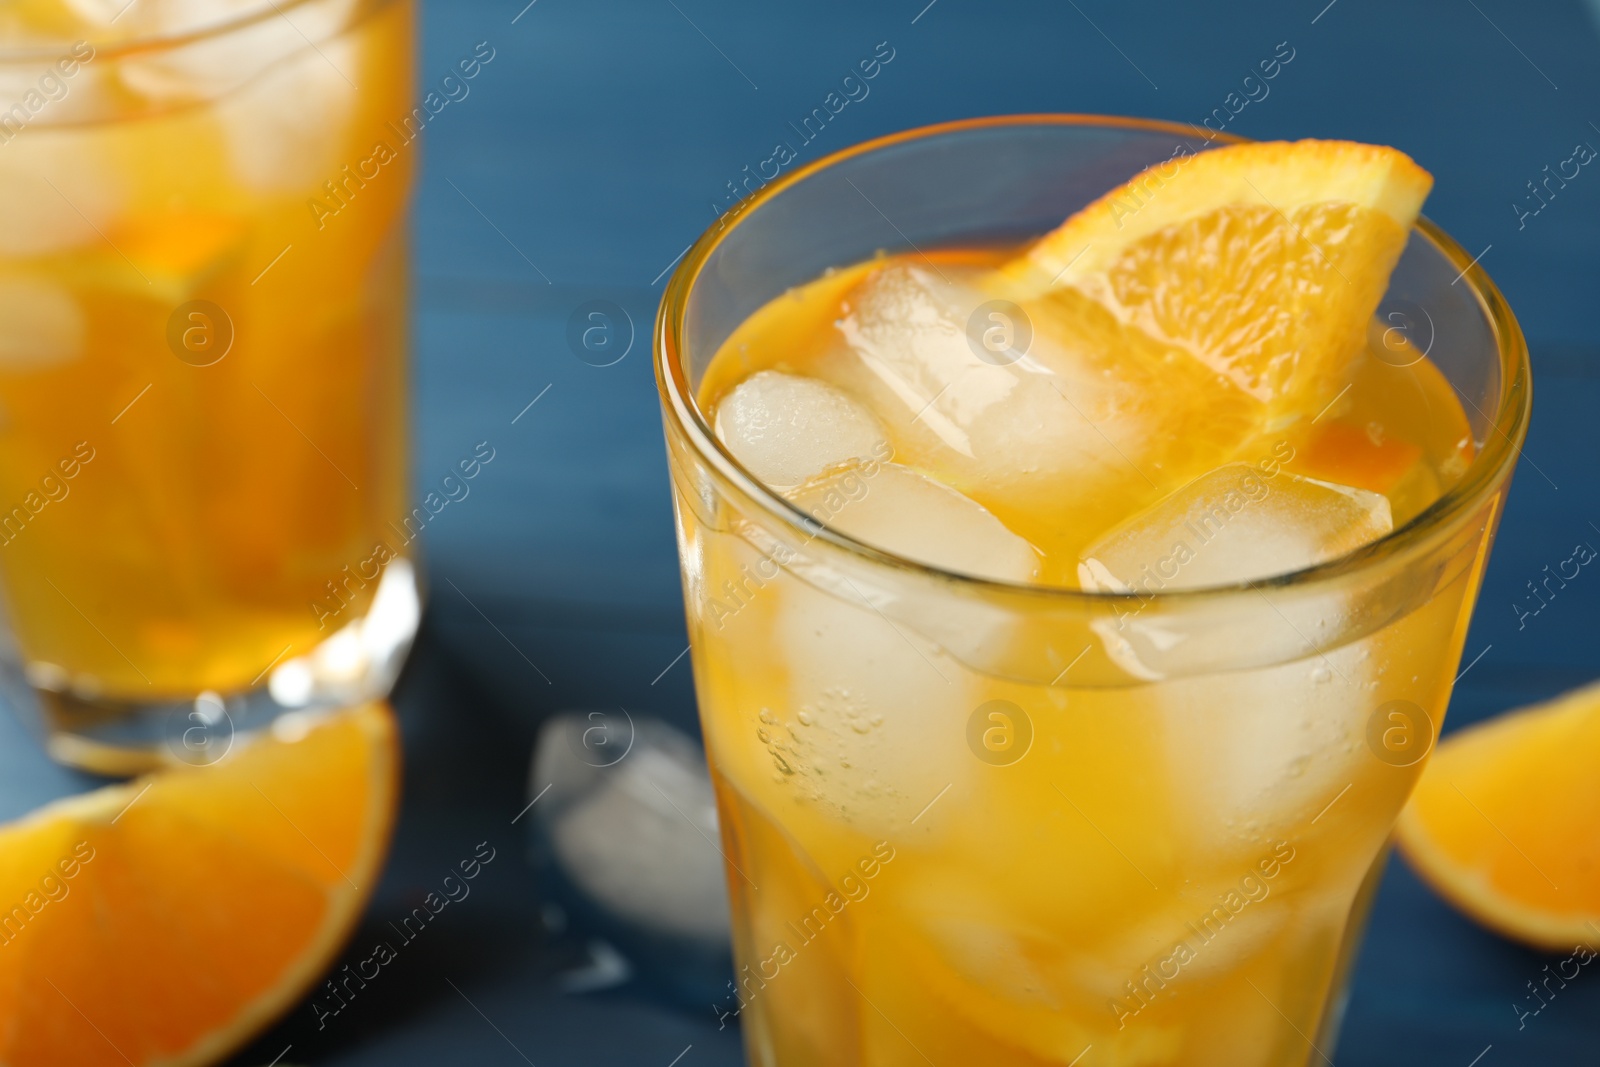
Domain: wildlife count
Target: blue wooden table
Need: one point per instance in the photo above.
(597, 144)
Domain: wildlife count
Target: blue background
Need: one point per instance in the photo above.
(594, 146)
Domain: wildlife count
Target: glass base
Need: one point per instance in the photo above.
(122, 738)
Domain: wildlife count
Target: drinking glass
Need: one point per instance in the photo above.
(968, 821)
(202, 368)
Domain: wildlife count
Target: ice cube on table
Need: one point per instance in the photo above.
(909, 514)
(622, 808)
(629, 817)
(785, 428)
(1235, 524)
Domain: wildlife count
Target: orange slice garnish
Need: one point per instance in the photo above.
(1265, 262)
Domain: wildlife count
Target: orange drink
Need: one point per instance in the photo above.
(1072, 616)
(202, 338)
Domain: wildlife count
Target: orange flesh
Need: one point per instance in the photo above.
(1502, 824)
(167, 920)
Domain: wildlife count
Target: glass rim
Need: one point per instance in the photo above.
(1488, 468)
(161, 42)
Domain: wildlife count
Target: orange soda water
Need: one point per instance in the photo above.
(202, 336)
(934, 862)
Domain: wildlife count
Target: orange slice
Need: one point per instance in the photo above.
(1265, 262)
(167, 920)
(1505, 822)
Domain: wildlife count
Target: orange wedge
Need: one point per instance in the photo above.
(168, 920)
(1505, 822)
(1265, 262)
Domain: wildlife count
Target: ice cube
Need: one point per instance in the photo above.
(1235, 524)
(870, 725)
(867, 715)
(1026, 427)
(58, 191)
(907, 328)
(44, 326)
(897, 509)
(633, 822)
(283, 86)
(1257, 754)
(286, 129)
(150, 17)
(786, 429)
(1258, 750)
